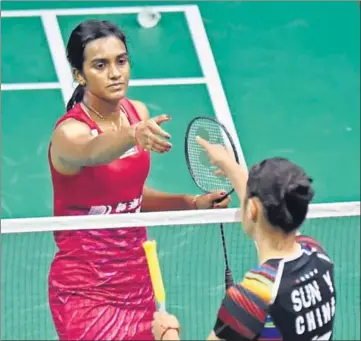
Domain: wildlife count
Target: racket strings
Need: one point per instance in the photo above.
(204, 172)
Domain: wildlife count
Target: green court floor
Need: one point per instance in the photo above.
(290, 73)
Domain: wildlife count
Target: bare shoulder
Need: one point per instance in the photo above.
(67, 135)
(141, 109)
(70, 128)
(67, 143)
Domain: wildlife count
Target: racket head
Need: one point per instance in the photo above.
(198, 162)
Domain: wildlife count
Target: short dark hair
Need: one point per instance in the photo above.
(284, 189)
(83, 34)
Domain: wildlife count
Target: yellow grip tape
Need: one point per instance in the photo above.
(150, 248)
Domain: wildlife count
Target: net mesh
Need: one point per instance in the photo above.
(190, 252)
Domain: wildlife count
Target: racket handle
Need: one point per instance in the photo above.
(221, 199)
(162, 307)
(228, 279)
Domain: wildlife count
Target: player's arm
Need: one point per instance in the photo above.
(73, 146)
(242, 314)
(243, 311)
(154, 200)
(237, 174)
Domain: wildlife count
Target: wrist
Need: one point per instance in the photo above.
(229, 166)
(133, 133)
(191, 201)
(194, 201)
(170, 333)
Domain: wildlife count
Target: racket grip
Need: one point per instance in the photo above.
(221, 199)
(228, 279)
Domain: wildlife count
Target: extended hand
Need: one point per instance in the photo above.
(165, 326)
(209, 200)
(218, 154)
(150, 136)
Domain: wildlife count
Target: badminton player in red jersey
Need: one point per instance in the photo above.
(99, 155)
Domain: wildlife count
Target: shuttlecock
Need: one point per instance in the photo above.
(148, 18)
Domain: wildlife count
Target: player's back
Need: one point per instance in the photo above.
(304, 298)
(282, 299)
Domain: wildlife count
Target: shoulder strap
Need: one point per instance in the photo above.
(78, 114)
(132, 113)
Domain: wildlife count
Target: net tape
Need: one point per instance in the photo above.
(195, 217)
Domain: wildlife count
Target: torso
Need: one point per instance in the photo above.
(112, 188)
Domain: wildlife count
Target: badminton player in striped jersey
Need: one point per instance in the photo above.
(291, 294)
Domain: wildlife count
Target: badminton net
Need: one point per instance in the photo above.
(191, 259)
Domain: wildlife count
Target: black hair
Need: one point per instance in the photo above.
(285, 191)
(83, 34)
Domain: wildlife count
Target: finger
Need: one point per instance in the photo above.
(224, 203)
(156, 129)
(147, 139)
(161, 119)
(160, 148)
(216, 195)
(205, 144)
(155, 140)
(219, 172)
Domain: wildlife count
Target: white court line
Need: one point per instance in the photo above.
(57, 50)
(29, 86)
(209, 68)
(90, 11)
(168, 81)
(135, 82)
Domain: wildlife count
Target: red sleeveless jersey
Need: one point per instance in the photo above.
(105, 262)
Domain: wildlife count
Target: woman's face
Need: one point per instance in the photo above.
(106, 68)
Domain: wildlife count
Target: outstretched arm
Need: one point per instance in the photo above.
(225, 161)
(155, 201)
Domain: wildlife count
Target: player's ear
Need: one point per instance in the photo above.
(78, 76)
(253, 209)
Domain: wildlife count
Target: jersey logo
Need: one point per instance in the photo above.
(122, 207)
(100, 210)
(94, 132)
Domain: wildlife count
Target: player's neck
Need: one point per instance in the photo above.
(276, 247)
(102, 108)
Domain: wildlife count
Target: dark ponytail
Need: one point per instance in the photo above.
(294, 204)
(76, 97)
